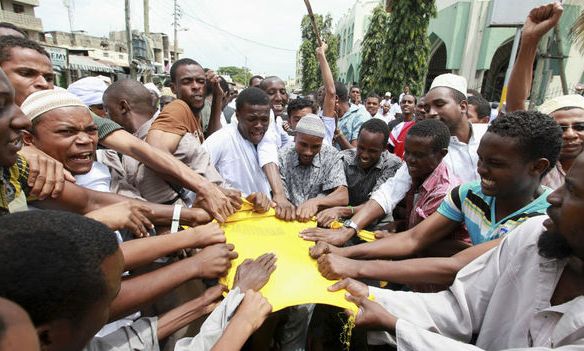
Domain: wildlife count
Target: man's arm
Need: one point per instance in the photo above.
(143, 251)
(540, 20)
(330, 93)
(80, 200)
(404, 244)
(211, 262)
(171, 169)
(428, 270)
(216, 105)
(284, 208)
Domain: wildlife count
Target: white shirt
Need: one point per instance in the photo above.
(395, 109)
(461, 161)
(237, 160)
(386, 118)
(503, 296)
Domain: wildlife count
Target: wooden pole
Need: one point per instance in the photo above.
(313, 20)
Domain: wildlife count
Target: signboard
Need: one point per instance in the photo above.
(512, 13)
(59, 56)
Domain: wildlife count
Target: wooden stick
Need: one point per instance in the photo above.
(313, 20)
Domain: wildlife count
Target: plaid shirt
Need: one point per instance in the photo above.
(302, 183)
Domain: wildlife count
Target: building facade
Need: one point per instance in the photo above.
(21, 14)
(463, 43)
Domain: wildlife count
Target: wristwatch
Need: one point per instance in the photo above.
(350, 224)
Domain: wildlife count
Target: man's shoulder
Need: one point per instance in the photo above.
(176, 109)
(389, 160)
(218, 139)
(347, 154)
(329, 151)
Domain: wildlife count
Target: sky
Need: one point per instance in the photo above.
(260, 34)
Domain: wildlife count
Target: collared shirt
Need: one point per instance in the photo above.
(430, 194)
(503, 296)
(555, 177)
(362, 182)
(302, 183)
(139, 336)
(14, 182)
(461, 161)
(351, 122)
(468, 204)
(237, 161)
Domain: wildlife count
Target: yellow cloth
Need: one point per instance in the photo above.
(296, 279)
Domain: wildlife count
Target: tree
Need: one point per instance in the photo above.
(371, 57)
(311, 78)
(404, 53)
(240, 75)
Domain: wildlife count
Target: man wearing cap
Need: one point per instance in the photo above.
(20, 55)
(446, 101)
(90, 91)
(312, 173)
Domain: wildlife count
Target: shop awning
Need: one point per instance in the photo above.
(85, 63)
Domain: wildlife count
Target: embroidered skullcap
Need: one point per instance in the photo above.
(89, 90)
(153, 88)
(46, 100)
(311, 125)
(560, 102)
(451, 81)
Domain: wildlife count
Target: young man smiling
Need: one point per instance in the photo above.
(525, 294)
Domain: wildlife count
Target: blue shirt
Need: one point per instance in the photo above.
(467, 203)
(351, 122)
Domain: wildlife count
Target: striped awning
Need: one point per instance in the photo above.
(85, 63)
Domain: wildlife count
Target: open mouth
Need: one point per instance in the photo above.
(86, 156)
(278, 107)
(487, 183)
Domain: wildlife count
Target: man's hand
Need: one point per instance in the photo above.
(540, 20)
(333, 267)
(213, 80)
(261, 202)
(284, 208)
(354, 287)
(253, 310)
(326, 217)
(125, 215)
(46, 176)
(307, 210)
(214, 261)
(380, 234)
(254, 274)
(322, 248)
(321, 50)
(215, 202)
(234, 197)
(371, 314)
(335, 237)
(206, 235)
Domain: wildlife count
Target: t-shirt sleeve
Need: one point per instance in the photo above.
(173, 119)
(451, 206)
(105, 126)
(356, 126)
(330, 124)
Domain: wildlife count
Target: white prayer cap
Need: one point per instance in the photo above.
(451, 81)
(89, 90)
(388, 94)
(560, 102)
(46, 100)
(311, 125)
(152, 88)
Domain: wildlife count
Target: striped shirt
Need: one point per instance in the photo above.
(467, 203)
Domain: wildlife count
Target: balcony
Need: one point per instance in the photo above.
(23, 21)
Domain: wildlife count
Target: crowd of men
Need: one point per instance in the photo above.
(478, 220)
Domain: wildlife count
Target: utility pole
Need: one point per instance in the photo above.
(70, 5)
(176, 15)
(129, 41)
(147, 17)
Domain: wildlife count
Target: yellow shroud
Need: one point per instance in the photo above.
(296, 279)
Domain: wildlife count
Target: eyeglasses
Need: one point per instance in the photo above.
(577, 127)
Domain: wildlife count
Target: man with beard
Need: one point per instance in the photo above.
(525, 293)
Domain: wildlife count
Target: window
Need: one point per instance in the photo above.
(105, 54)
(18, 8)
